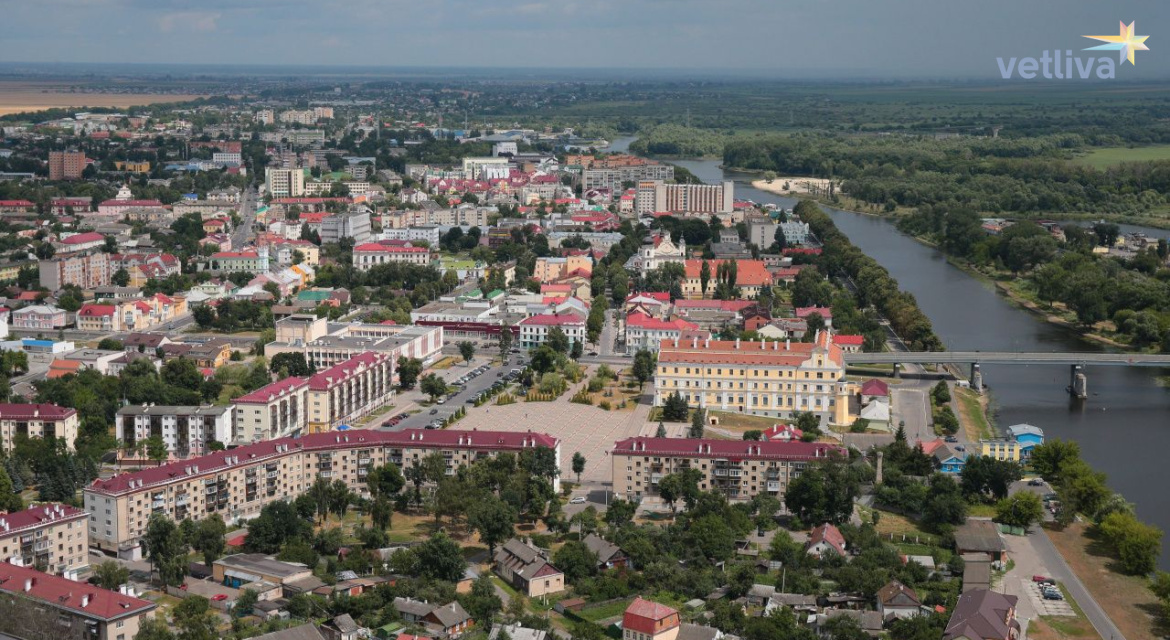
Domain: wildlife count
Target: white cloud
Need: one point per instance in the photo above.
(189, 21)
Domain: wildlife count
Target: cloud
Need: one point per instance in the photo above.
(189, 21)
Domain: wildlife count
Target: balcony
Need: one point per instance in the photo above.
(730, 473)
(158, 504)
(655, 478)
(773, 485)
(271, 475)
(211, 489)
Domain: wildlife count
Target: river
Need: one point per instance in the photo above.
(1127, 410)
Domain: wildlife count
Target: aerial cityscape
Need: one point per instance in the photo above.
(543, 329)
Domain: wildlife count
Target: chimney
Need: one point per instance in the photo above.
(761, 344)
(775, 346)
(28, 584)
(737, 343)
(695, 342)
(787, 344)
(85, 601)
(707, 342)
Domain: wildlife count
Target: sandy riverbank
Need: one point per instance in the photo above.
(787, 185)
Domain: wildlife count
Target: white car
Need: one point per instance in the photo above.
(578, 500)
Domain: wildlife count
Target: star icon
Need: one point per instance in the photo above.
(1125, 42)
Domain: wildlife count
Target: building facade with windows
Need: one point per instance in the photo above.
(51, 606)
(52, 536)
(739, 469)
(236, 484)
(37, 421)
(372, 254)
(275, 411)
(774, 379)
(349, 390)
(187, 431)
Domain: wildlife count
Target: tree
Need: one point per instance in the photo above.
(941, 392)
(243, 604)
(704, 277)
(121, 278)
(620, 513)
(544, 359)
(696, 430)
(823, 493)
(291, 363)
(111, 575)
(984, 475)
(385, 481)
(382, 513)
(557, 340)
(409, 369)
(1050, 458)
(467, 350)
(505, 339)
(10, 500)
(277, 524)
(1136, 543)
(645, 364)
(433, 386)
(204, 316)
(575, 560)
(166, 550)
(483, 603)
(808, 422)
(110, 344)
(440, 558)
(154, 628)
(494, 520)
(661, 431)
(675, 408)
(195, 619)
(1021, 509)
(209, 538)
(156, 449)
(578, 465)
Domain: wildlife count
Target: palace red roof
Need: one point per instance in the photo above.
(374, 247)
(34, 412)
(222, 460)
(235, 254)
(131, 203)
(824, 312)
(265, 394)
(15, 203)
(79, 597)
(750, 273)
(341, 372)
(848, 340)
(732, 352)
(726, 305)
(97, 310)
(309, 200)
(732, 449)
(660, 296)
(646, 322)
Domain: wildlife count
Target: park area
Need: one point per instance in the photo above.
(1105, 157)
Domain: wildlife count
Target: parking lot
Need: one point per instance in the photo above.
(1044, 606)
(475, 380)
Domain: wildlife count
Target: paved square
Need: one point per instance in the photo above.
(590, 430)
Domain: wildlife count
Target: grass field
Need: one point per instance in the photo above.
(24, 96)
(1105, 157)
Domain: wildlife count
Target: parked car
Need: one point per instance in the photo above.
(1041, 579)
(219, 597)
(960, 448)
(578, 500)
(441, 401)
(434, 411)
(1035, 482)
(950, 439)
(1053, 595)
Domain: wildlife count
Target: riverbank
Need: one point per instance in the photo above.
(793, 186)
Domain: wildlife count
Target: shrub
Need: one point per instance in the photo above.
(604, 404)
(596, 384)
(582, 397)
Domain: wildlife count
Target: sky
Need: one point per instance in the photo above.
(830, 38)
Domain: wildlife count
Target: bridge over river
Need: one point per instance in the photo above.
(1078, 383)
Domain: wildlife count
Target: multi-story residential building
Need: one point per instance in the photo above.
(795, 232)
(306, 117)
(653, 196)
(354, 187)
(45, 421)
(118, 207)
(738, 469)
(38, 316)
(187, 431)
(461, 216)
(236, 484)
(349, 390)
(47, 605)
(553, 269)
(86, 271)
(54, 537)
(429, 233)
(66, 165)
(284, 183)
(371, 254)
(612, 178)
(354, 225)
(275, 411)
(751, 277)
(774, 379)
(250, 261)
(265, 116)
(326, 345)
(534, 330)
(227, 158)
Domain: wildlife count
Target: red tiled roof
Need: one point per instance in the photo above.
(61, 368)
(34, 411)
(646, 322)
(264, 394)
(649, 617)
(235, 254)
(875, 387)
(221, 460)
(131, 203)
(748, 272)
(97, 310)
(36, 516)
(748, 352)
(341, 372)
(740, 449)
(15, 203)
(83, 238)
(848, 340)
(828, 534)
(824, 312)
(79, 597)
(548, 319)
(659, 296)
(374, 247)
(726, 305)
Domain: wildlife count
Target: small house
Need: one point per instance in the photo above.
(898, 600)
(609, 555)
(527, 569)
(980, 536)
(825, 539)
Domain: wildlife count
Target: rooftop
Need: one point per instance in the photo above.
(78, 597)
(733, 450)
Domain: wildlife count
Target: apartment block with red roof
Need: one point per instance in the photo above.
(51, 536)
(372, 254)
(37, 421)
(274, 411)
(738, 469)
(47, 605)
(773, 379)
(236, 484)
(349, 390)
(534, 330)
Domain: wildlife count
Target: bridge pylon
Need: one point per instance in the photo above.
(976, 378)
(1078, 385)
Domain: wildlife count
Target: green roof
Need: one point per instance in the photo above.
(457, 263)
(474, 293)
(314, 294)
(495, 294)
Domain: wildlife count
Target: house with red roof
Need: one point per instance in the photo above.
(20, 531)
(825, 539)
(849, 343)
(781, 433)
(825, 313)
(648, 620)
(371, 254)
(647, 332)
(347, 391)
(79, 242)
(873, 389)
(77, 609)
(534, 330)
(17, 206)
(116, 208)
(751, 277)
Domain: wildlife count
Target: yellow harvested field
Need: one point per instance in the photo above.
(24, 96)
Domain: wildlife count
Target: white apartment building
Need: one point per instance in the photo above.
(284, 183)
(187, 431)
(534, 330)
(275, 411)
(370, 255)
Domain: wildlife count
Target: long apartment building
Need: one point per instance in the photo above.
(774, 379)
(45, 605)
(87, 271)
(739, 469)
(349, 390)
(612, 178)
(653, 196)
(186, 430)
(50, 536)
(325, 344)
(236, 484)
(274, 411)
(37, 421)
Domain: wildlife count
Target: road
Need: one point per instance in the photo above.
(609, 334)
(243, 233)
(1046, 552)
(451, 405)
